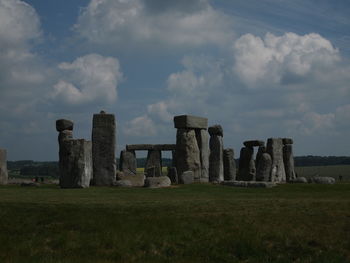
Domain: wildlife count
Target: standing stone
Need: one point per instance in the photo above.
(287, 141)
(261, 151)
(154, 160)
(172, 174)
(246, 169)
(263, 169)
(127, 162)
(275, 149)
(3, 167)
(103, 149)
(202, 137)
(253, 143)
(62, 125)
(216, 164)
(187, 153)
(288, 161)
(75, 163)
(229, 165)
(186, 178)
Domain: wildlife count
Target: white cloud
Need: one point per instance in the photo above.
(153, 23)
(160, 111)
(90, 78)
(141, 126)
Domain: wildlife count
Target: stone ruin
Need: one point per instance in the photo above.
(3, 167)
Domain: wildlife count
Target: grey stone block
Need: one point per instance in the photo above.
(253, 143)
(148, 147)
(63, 124)
(190, 122)
(246, 169)
(137, 180)
(123, 183)
(229, 165)
(321, 180)
(275, 149)
(186, 177)
(288, 161)
(263, 169)
(216, 130)
(157, 182)
(172, 174)
(154, 161)
(287, 141)
(3, 167)
(128, 162)
(216, 163)
(202, 137)
(301, 180)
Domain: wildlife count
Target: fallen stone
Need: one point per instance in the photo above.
(3, 167)
(123, 183)
(253, 184)
(157, 182)
(254, 143)
(216, 162)
(229, 165)
(321, 180)
(154, 161)
(288, 161)
(63, 124)
(31, 184)
(301, 180)
(216, 130)
(246, 169)
(148, 147)
(287, 141)
(136, 180)
(186, 178)
(190, 122)
(172, 174)
(202, 137)
(275, 149)
(263, 170)
(128, 162)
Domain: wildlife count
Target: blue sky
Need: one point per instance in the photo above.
(271, 68)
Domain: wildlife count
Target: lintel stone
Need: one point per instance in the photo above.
(190, 122)
(149, 147)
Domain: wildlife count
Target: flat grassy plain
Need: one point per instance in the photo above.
(188, 223)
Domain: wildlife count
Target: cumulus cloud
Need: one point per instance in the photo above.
(90, 78)
(153, 23)
(284, 59)
(142, 126)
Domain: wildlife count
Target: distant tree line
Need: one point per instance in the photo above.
(32, 168)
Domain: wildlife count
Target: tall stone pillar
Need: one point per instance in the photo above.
(275, 149)
(127, 162)
(288, 159)
(246, 169)
(154, 159)
(3, 167)
(103, 149)
(229, 165)
(202, 137)
(263, 169)
(216, 164)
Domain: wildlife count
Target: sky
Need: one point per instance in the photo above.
(259, 68)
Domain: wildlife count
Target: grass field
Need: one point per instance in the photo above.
(189, 223)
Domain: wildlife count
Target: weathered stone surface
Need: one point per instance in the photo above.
(187, 153)
(249, 184)
(246, 169)
(128, 162)
(65, 135)
(190, 122)
(157, 182)
(263, 169)
(261, 151)
(147, 147)
(202, 137)
(302, 180)
(3, 167)
(123, 183)
(229, 165)
(172, 174)
(75, 163)
(321, 180)
(253, 143)
(216, 163)
(275, 149)
(186, 177)
(63, 124)
(216, 130)
(103, 149)
(136, 180)
(154, 160)
(287, 141)
(150, 171)
(288, 161)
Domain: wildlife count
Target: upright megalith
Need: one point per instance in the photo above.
(275, 149)
(288, 159)
(263, 168)
(216, 164)
(3, 167)
(154, 160)
(229, 165)
(246, 167)
(192, 151)
(127, 162)
(103, 149)
(261, 151)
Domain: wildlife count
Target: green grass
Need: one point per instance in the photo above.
(189, 223)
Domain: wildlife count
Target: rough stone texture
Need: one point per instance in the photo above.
(64, 135)
(263, 169)
(190, 122)
(216, 130)
(253, 143)
(287, 141)
(127, 162)
(157, 182)
(3, 167)
(187, 153)
(173, 161)
(288, 161)
(261, 151)
(275, 149)
(172, 174)
(150, 171)
(123, 183)
(75, 163)
(137, 180)
(202, 137)
(154, 159)
(321, 180)
(103, 149)
(229, 165)
(216, 163)
(63, 124)
(246, 171)
(186, 177)
(301, 180)
(249, 184)
(147, 147)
